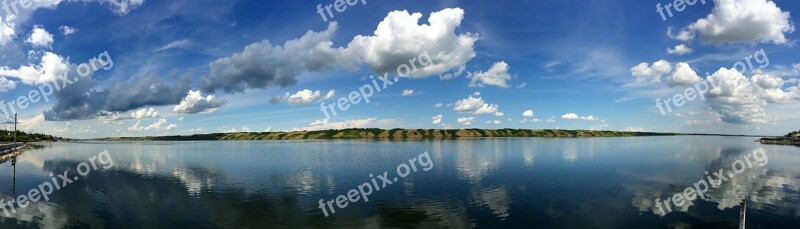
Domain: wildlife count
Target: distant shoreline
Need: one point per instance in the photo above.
(402, 134)
(792, 138)
(779, 141)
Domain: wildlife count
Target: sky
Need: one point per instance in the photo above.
(107, 68)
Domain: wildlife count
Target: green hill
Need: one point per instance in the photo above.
(392, 134)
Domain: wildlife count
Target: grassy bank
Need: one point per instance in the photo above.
(8, 136)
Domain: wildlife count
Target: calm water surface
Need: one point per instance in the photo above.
(484, 183)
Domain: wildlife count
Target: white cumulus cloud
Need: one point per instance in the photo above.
(194, 102)
(576, 116)
(680, 49)
(6, 85)
(144, 113)
(683, 35)
(66, 30)
(121, 7)
(645, 73)
(770, 89)
(330, 94)
(497, 75)
(157, 125)
(40, 37)
(400, 37)
(7, 32)
(465, 120)
(326, 124)
(437, 119)
(683, 75)
(475, 106)
(304, 96)
(744, 21)
(527, 113)
(733, 98)
(51, 66)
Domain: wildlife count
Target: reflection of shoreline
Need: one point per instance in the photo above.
(11, 151)
(195, 197)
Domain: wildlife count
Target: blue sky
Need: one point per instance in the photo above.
(187, 67)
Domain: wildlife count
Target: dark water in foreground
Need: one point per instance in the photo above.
(486, 183)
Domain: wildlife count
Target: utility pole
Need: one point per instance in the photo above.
(742, 210)
(15, 129)
(14, 164)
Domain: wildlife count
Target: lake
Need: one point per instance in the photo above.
(484, 183)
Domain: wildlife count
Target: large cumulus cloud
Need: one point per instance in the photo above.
(743, 21)
(400, 37)
(149, 90)
(262, 64)
(740, 100)
(81, 100)
(396, 40)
